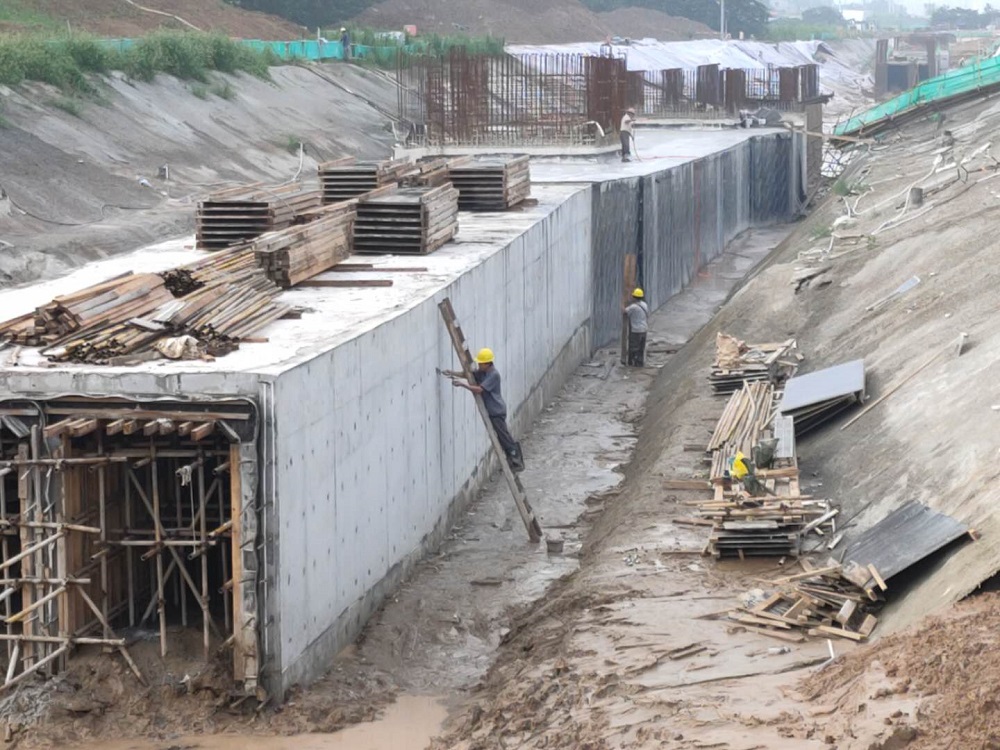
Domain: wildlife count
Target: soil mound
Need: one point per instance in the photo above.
(518, 21)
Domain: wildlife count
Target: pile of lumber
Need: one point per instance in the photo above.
(744, 422)
(225, 264)
(231, 217)
(432, 172)
(737, 362)
(411, 221)
(762, 527)
(293, 255)
(95, 307)
(491, 184)
(823, 602)
(219, 315)
(348, 178)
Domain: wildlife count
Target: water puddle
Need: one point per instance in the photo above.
(408, 724)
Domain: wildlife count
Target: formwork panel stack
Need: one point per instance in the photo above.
(493, 184)
(410, 221)
(231, 217)
(348, 178)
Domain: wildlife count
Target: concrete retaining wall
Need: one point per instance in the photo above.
(374, 450)
(375, 454)
(681, 218)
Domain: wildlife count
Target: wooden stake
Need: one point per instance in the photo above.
(629, 280)
(160, 603)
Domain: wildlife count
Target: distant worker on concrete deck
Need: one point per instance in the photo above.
(626, 133)
(487, 385)
(638, 326)
(345, 42)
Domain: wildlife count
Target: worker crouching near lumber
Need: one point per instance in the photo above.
(638, 326)
(487, 385)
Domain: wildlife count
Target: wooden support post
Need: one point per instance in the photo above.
(203, 528)
(129, 554)
(516, 489)
(155, 512)
(226, 554)
(629, 279)
(236, 513)
(102, 514)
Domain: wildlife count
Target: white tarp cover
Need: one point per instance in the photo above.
(650, 54)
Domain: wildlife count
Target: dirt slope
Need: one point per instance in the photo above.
(520, 21)
(70, 183)
(121, 18)
(588, 669)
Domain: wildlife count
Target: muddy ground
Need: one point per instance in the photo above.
(441, 631)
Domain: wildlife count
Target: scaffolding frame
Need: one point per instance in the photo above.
(115, 503)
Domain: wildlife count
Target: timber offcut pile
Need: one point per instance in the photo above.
(491, 184)
(347, 178)
(407, 221)
(293, 255)
(231, 217)
(737, 362)
(824, 602)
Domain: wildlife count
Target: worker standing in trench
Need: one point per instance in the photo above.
(638, 327)
(487, 385)
(626, 133)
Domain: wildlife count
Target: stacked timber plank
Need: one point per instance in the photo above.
(823, 602)
(348, 178)
(410, 221)
(293, 255)
(218, 315)
(231, 217)
(98, 306)
(491, 184)
(744, 421)
(431, 172)
(737, 362)
(761, 527)
(226, 264)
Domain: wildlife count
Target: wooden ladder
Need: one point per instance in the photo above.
(516, 488)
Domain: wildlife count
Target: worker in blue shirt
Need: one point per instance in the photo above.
(487, 385)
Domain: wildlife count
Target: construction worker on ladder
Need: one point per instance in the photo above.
(487, 385)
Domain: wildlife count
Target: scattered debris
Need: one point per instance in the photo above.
(737, 362)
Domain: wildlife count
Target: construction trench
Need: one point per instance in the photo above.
(189, 508)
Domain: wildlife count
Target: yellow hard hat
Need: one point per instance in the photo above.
(638, 293)
(485, 356)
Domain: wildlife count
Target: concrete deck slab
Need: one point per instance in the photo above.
(657, 149)
(334, 315)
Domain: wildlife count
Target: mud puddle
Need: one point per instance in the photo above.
(408, 724)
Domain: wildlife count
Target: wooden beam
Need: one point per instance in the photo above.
(115, 427)
(203, 430)
(344, 283)
(83, 427)
(130, 426)
(184, 428)
(166, 426)
(57, 429)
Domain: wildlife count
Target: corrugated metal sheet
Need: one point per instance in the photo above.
(825, 385)
(904, 538)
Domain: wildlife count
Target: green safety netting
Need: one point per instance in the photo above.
(965, 80)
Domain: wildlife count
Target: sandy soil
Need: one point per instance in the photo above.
(119, 18)
(519, 21)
